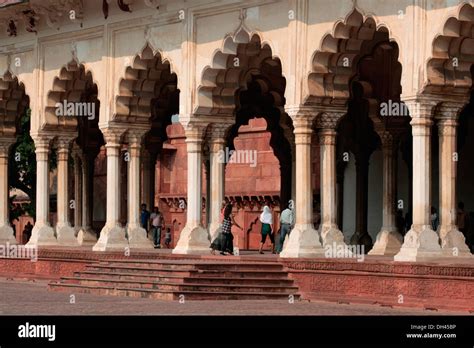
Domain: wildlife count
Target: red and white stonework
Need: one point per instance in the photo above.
(300, 82)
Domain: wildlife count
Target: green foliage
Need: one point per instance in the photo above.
(22, 166)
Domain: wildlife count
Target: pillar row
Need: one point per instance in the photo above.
(112, 236)
(137, 236)
(331, 235)
(194, 238)
(304, 239)
(42, 233)
(389, 240)
(86, 235)
(421, 242)
(217, 144)
(453, 242)
(64, 232)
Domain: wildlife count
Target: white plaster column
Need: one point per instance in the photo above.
(453, 242)
(331, 235)
(304, 239)
(421, 242)
(194, 238)
(86, 235)
(77, 190)
(217, 176)
(389, 240)
(6, 230)
(112, 236)
(43, 233)
(64, 231)
(136, 234)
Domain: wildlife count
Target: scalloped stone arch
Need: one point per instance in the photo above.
(242, 56)
(71, 83)
(336, 63)
(148, 80)
(449, 68)
(13, 102)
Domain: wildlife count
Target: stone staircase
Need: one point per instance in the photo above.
(182, 280)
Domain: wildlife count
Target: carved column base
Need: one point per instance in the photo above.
(331, 234)
(453, 242)
(111, 238)
(66, 235)
(420, 244)
(137, 238)
(193, 240)
(214, 230)
(86, 236)
(302, 242)
(6, 235)
(42, 235)
(362, 239)
(388, 242)
(333, 237)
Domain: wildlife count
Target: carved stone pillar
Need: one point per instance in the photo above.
(43, 233)
(453, 242)
(76, 155)
(361, 235)
(137, 236)
(64, 231)
(331, 235)
(6, 230)
(217, 144)
(86, 235)
(194, 238)
(112, 236)
(389, 240)
(421, 242)
(304, 239)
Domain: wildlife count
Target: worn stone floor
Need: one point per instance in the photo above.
(19, 297)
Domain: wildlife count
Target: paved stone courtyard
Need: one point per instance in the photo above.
(32, 298)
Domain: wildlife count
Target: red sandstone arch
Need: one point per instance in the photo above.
(242, 56)
(147, 81)
(13, 102)
(448, 70)
(335, 65)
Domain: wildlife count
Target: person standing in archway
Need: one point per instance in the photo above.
(227, 237)
(287, 220)
(266, 218)
(156, 221)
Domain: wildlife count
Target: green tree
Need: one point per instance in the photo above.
(22, 167)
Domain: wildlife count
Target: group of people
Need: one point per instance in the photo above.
(155, 223)
(224, 240)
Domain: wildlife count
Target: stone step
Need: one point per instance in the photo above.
(200, 279)
(280, 274)
(170, 264)
(187, 295)
(179, 286)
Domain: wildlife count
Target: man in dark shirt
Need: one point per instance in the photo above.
(144, 218)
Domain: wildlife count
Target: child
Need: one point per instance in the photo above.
(168, 237)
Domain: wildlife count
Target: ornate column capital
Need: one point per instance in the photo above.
(449, 110)
(327, 136)
(135, 136)
(194, 132)
(447, 127)
(112, 136)
(329, 119)
(216, 134)
(5, 144)
(42, 147)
